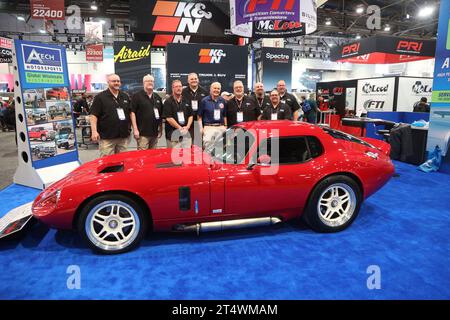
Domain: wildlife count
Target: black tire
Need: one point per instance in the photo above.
(87, 212)
(313, 216)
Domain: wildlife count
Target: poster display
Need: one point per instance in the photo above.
(132, 62)
(439, 130)
(411, 90)
(6, 50)
(222, 63)
(376, 94)
(272, 65)
(47, 131)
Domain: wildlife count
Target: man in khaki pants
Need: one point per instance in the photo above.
(179, 117)
(110, 118)
(212, 116)
(146, 115)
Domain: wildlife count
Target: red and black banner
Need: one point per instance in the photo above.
(188, 21)
(384, 49)
(47, 9)
(6, 50)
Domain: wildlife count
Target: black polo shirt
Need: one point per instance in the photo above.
(291, 101)
(283, 112)
(171, 109)
(144, 108)
(106, 108)
(198, 95)
(262, 103)
(248, 107)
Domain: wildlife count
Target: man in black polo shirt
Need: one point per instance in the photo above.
(277, 110)
(146, 117)
(194, 93)
(211, 115)
(110, 118)
(260, 97)
(241, 108)
(288, 99)
(179, 117)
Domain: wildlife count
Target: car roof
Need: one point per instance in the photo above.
(284, 127)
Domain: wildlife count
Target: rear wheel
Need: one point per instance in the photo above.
(334, 204)
(112, 224)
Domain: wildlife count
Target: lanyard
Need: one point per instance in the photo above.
(260, 104)
(178, 104)
(239, 105)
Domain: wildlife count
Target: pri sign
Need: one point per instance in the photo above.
(94, 52)
(47, 9)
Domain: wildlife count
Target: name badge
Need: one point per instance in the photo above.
(240, 116)
(274, 116)
(216, 114)
(156, 111)
(194, 104)
(180, 116)
(121, 114)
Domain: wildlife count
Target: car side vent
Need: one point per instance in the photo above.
(116, 168)
(185, 198)
(168, 165)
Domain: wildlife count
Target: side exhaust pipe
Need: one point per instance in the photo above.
(227, 224)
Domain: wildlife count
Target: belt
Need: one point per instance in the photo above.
(213, 125)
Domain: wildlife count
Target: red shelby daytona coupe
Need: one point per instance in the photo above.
(257, 173)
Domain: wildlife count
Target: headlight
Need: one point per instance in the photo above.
(49, 200)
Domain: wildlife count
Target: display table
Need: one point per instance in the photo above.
(362, 122)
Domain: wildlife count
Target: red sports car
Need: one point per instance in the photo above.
(257, 173)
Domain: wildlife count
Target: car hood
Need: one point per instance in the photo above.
(135, 161)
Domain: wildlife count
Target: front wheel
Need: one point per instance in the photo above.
(334, 204)
(112, 224)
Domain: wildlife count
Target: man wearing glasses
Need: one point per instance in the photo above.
(146, 115)
(110, 118)
(277, 109)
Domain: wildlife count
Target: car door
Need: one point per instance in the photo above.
(280, 188)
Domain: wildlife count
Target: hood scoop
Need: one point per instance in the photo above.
(112, 168)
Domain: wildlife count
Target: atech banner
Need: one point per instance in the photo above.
(375, 94)
(46, 103)
(94, 52)
(222, 63)
(132, 62)
(47, 9)
(384, 49)
(272, 65)
(411, 90)
(6, 50)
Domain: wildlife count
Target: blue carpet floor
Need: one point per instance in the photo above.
(404, 229)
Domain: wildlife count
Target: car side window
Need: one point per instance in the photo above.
(291, 150)
(315, 146)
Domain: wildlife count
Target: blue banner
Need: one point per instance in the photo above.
(45, 89)
(439, 131)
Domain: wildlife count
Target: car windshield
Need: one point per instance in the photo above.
(233, 146)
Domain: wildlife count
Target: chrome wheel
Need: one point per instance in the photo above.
(112, 225)
(336, 205)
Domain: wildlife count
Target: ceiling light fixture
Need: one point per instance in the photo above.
(425, 12)
(94, 6)
(387, 28)
(360, 10)
(20, 18)
(328, 22)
